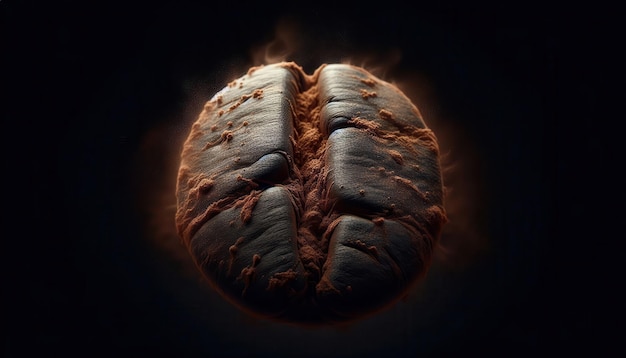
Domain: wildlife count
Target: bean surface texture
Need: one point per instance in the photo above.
(310, 197)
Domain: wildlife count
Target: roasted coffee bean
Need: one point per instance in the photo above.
(310, 198)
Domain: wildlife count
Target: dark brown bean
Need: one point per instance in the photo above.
(310, 198)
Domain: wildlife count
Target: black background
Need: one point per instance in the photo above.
(96, 96)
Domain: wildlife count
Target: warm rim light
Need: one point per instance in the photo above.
(158, 158)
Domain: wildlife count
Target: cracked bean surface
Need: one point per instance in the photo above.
(310, 197)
